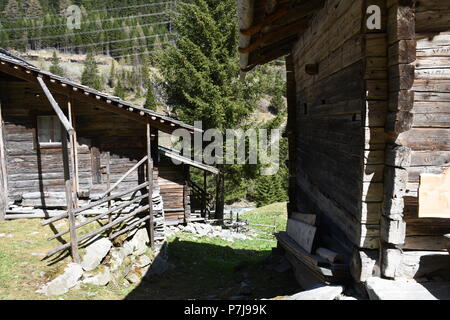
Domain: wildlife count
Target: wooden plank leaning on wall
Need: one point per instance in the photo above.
(150, 185)
(66, 129)
(3, 176)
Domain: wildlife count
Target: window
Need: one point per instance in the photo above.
(49, 131)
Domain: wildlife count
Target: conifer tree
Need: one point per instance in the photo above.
(91, 76)
(201, 72)
(119, 90)
(32, 8)
(150, 99)
(55, 67)
(12, 9)
(112, 75)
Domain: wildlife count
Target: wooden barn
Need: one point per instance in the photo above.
(106, 153)
(368, 86)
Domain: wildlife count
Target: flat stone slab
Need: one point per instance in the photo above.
(321, 293)
(95, 254)
(382, 289)
(64, 282)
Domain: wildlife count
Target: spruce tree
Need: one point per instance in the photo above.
(32, 8)
(112, 75)
(119, 90)
(150, 99)
(55, 68)
(201, 73)
(12, 9)
(91, 76)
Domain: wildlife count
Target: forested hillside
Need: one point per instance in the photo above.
(175, 56)
(117, 28)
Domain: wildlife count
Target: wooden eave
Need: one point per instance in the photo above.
(276, 25)
(29, 73)
(172, 154)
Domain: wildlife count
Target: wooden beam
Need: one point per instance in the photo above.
(288, 13)
(69, 202)
(54, 104)
(94, 204)
(281, 12)
(107, 192)
(278, 51)
(3, 174)
(101, 215)
(73, 155)
(84, 96)
(100, 230)
(280, 33)
(150, 185)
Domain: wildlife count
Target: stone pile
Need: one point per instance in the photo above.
(128, 262)
(207, 230)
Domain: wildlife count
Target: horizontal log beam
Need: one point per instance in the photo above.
(94, 204)
(98, 217)
(281, 33)
(124, 176)
(289, 13)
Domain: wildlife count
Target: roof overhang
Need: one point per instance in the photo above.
(174, 155)
(19, 68)
(269, 28)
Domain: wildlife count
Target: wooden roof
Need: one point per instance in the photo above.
(268, 28)
(19, 68)
(175, 155)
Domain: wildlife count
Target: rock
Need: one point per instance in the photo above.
(140, 242)
(344, 297)
(382, 289)
(245, 289)
(100, 279)
(321, 293)
(159, 266)
(95, 254)
(132, 277)
(117, 257)
(64, 282)
(143, 261)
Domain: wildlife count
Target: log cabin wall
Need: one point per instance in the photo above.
(172, 182)
(35, 174)
(329, 136)
(418, 136)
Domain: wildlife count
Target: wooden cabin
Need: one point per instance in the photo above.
(110, 139)
(368, 87)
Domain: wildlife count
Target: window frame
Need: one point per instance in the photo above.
(47, 145)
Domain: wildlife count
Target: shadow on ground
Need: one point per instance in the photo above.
(208, 271)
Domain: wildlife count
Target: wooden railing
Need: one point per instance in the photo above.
(106, 197)
(203, 197)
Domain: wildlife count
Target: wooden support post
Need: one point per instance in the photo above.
(68, 186)
(220, 194)
(204, 195)
(108, 183)
(150, 185)
(73, 156)
(3, 177)
(62, 117)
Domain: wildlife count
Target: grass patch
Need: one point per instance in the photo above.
(273, 214)
(205, 268)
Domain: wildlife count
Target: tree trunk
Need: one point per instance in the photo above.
(220, 194)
